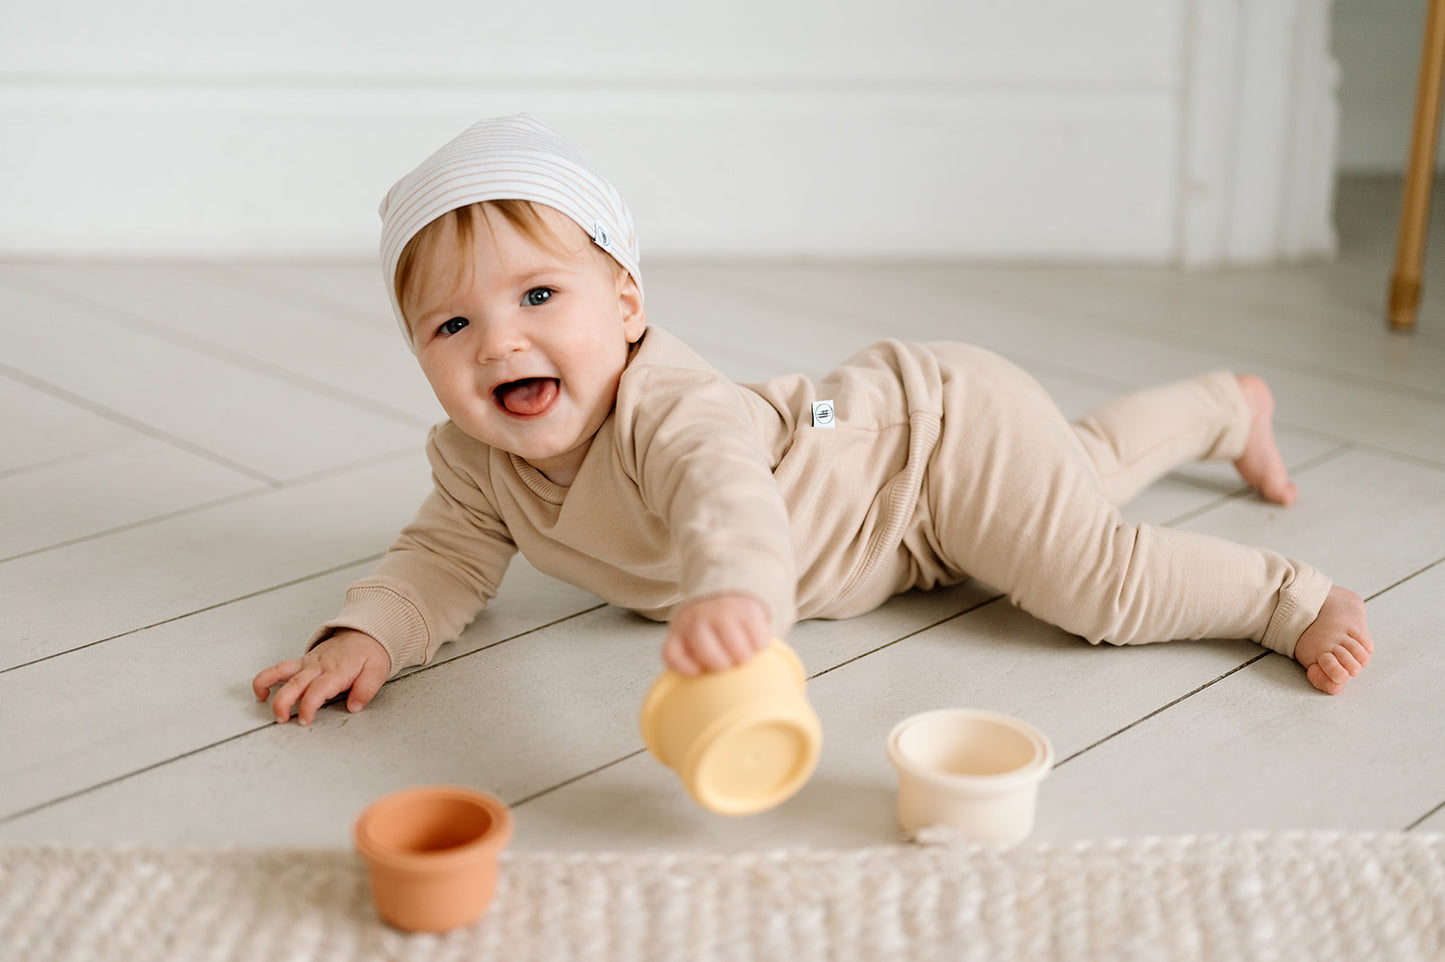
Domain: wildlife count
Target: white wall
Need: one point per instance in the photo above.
(1143, 130)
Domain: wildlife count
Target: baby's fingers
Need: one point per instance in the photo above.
(740, 643)
(367, 684)
(266, 677)
(676, 656)
(708, 650)
(288, 694)
(325, 687)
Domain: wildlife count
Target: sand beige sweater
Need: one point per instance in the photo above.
(694, 485)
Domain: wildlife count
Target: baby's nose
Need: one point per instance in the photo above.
(501, 340)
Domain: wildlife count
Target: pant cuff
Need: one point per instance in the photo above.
(1299, 605)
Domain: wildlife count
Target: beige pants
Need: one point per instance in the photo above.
(1025, 501)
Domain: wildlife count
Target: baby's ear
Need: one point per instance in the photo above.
(634, 312)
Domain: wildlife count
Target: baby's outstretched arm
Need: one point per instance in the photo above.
(716, 632)
(346, 660)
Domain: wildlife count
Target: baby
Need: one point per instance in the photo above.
(614, 458)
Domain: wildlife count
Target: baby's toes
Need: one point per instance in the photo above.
(1361, 650)
(1322, 681)
(1333, 667)
(1347, 659)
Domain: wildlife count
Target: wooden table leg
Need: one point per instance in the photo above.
(1419, 178)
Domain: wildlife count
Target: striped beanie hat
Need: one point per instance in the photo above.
(508, 158)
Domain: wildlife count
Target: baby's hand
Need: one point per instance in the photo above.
(716, 632)
(347, 659)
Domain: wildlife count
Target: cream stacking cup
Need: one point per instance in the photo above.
(741, 740)
(432, 854)
(976, 772)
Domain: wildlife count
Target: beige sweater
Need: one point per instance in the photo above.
(693, 486)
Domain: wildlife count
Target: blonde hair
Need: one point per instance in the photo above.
(522, 215)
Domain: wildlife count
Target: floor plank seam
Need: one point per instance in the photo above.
(1284, 361)
(929, 627)
(1397, 455)
(181, 617)
(576, 778)
(1244, 492)
(243, 277)
(297, 482)
(56, 462)
(219, 352)
(61, 799)
(1408, 578)
(1425, 818)
(1163, 708)
(459, 656)
(143, 522)
(1174, 336)
(272, 725)
(125, 420)
(352, 467)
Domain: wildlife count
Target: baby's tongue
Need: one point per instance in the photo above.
(528, 396)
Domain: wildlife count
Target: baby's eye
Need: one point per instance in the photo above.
(452, 326)
(537, 296)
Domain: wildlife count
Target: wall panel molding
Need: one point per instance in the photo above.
(1195, 132)
(1260, 134)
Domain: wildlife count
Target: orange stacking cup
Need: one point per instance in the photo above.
(742, 740)
(432, 854)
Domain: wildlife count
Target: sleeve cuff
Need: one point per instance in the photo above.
(387, 615)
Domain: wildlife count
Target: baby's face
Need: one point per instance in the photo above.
(525, 347)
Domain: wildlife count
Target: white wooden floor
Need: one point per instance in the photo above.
(195, 459)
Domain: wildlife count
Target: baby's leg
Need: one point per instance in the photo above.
(1137, 439)
(1016, 503)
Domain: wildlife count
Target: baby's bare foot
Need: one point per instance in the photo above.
(1261, 465)
(1336, 646)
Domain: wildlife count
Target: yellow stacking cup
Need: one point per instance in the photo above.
(742, 740)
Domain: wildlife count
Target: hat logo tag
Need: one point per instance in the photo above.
(599, 235)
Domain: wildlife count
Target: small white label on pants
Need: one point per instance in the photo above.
(823, 415)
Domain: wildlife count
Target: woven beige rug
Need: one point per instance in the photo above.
(1267, 896)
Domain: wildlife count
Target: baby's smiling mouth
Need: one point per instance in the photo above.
(526, 397)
